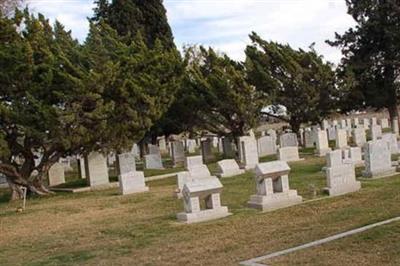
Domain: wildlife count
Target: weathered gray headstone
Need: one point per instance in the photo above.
(289, 154)
(248, 153)
(96, 170)
(177, 152)
(378, 161)
(153, 161)
(376, 132)
(266, 146)
(130, 181)
(341, 138)
(228, 149)
(56, 174)
(322, 143)
(228, 168)
(341, 177)
(392, 140)
(206, 151)
(359, 137)
(288, 140)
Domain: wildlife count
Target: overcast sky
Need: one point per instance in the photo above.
(225, 24)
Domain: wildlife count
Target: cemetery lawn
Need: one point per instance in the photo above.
(105, 228)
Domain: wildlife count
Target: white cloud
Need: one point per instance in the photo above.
(225, 24)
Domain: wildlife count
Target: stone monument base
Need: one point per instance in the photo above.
(275, 201)
(348, 188)
(380, 174)
(232, 173)
(203, 215)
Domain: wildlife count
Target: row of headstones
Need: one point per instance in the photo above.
(272, 182)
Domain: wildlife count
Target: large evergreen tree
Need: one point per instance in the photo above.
(296, 79)
(58, 98)
(132, 17)
(369, 72)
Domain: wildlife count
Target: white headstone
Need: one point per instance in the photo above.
(96, 170)
(376, 132)
(392, 140)
(153, 161)
(288, 140)
(384, 123)
(248, 152)
(378, 161)
(56, 174)
(228, 168)
(272, 185)
(289, 154)
(130, 181)
(359, 137)
(266, 146)
(322, 143)
(341, 138)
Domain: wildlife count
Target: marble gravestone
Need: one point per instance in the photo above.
(322, 143)
(248, 153)
(96, 170)
(378, 161)
(153, 149)
(384, 123)
(207, 150)
(340, 176)
(56, 174)
(81, 167)
(272, 186)
(359, 137)
(309, 139)
(266, 146)
(191, 145)
(341, 139)
(228, 168)
(289, 154)
(353, 156)
(195, 169)
(177, 152)
(392, 140)
(130, 181)
(332, 133)
(153, 161)
(207, 190)
(162, 144)
(376, 132)
(288, 140)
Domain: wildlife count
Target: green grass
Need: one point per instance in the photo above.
(103, 227)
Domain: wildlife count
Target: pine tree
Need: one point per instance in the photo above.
(370, 69)
(296, 79)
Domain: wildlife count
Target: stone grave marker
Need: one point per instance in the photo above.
(56, 174)
(229, 168)
(376, 132)
(206, 151)
(359, 137)
(130, 180)
(289, 154)
(384, 123)
(266, 146)
(341, 139)
(378, 161)
(288, 140)
(177, 152)
(153, 161)
(272, 185)
(96, 170)
(392, 140)
(248, 152)
(341, 176)
(322, 143)
(208, 190)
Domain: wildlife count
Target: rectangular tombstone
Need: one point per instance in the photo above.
(207, 190)
(272, 133)
(272, 186)
(332, 133)
(288, 140)
(248, 152)
(177, 152)
(392, 140)
(81, 167)
(341, 139)
(378, 161)
(322, 143)
(353, 156)
(289, 154)
(153, 161)
(56, 174)
(266, 146)
(96, 170)
(395, 126)
(309, 138)
(376, 132)
(130, 181)
(191, 145)
(384, 123)
(359, 137)
(194, 165)
(341, 177)
(228, 168)
(162, 143)
(153, 149)
(206, 151)
(334, 158)
(366, 123)
(228, 149)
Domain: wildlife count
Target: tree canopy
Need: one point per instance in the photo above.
(369, 72)
(60, 98)
(296, 79)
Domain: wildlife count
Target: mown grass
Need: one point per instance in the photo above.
(103, 227)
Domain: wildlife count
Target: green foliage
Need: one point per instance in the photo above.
(216, 96)
(133, 17)
(60, 98)
(371, 65)
(296, 79)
